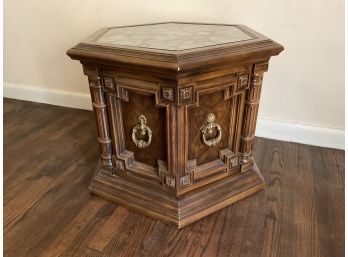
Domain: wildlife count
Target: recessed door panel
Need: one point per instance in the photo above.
(155, 120)
(215, 104)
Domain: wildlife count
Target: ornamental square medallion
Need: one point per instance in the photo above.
(185, 94)
(185, 180)
(242, 82)
(109, 83)
(119, 165)
(168, 94)
(170, 181)
(234, 162)
(93, 84)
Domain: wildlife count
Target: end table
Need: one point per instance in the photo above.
(176, 108)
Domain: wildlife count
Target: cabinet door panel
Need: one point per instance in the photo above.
(145, 105)
(221, 108)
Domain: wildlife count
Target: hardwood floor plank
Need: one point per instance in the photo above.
(74, 227)
(104, 234)
(50, 155)
(87, 252)
(49, 217)
(254, 229)
(154, 240)
(129, 237)
(18, 207)
(80, 242)
(305, 213)
(273, 205)
(329, 198)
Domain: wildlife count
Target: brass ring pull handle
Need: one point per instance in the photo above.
(143, 130)
(208, 128)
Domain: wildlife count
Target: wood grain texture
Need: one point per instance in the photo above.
(143, 104)
(221, 108)
(301, 213)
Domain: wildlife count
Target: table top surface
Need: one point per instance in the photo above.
(175, 45)
(173, 36)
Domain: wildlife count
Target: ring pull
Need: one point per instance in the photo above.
(209, 128)
(143, 130)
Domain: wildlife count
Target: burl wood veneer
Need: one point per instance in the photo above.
(176, 108)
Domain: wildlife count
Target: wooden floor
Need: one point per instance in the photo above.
(50, 153)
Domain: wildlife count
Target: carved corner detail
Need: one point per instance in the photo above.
(110, 87)
(109, 83)
(118, 164)
(182, 181)
(170, 181)
(186, 94)
(177, 95)
(168, 94)
(242, 82)
(230, 158)
(185, 180)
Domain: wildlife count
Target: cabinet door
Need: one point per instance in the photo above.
(215, 129)
(144, 105)
(138, 128)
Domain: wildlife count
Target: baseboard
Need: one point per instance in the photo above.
(267, 128)
(300, 133)
(48, 96)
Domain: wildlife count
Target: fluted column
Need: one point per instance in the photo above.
(252, 99)
(100, 110)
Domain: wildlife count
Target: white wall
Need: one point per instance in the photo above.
(304, 85)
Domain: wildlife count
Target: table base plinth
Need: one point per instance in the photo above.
(178, 211)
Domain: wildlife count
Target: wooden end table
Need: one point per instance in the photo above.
(176, 108)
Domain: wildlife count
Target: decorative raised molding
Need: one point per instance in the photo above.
(109, 83)
(110, 87)
(231, 90)
(229, 158)
(170, 181)
(234, 161)
(185, 180)
(177, 95)
(186, 94)
(118, 164)
(243, 82)
(168, 94)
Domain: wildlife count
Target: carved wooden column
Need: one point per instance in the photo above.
(178, 175)
(99, 106)
(252, 99)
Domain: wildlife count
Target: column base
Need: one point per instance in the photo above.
(178, 211)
